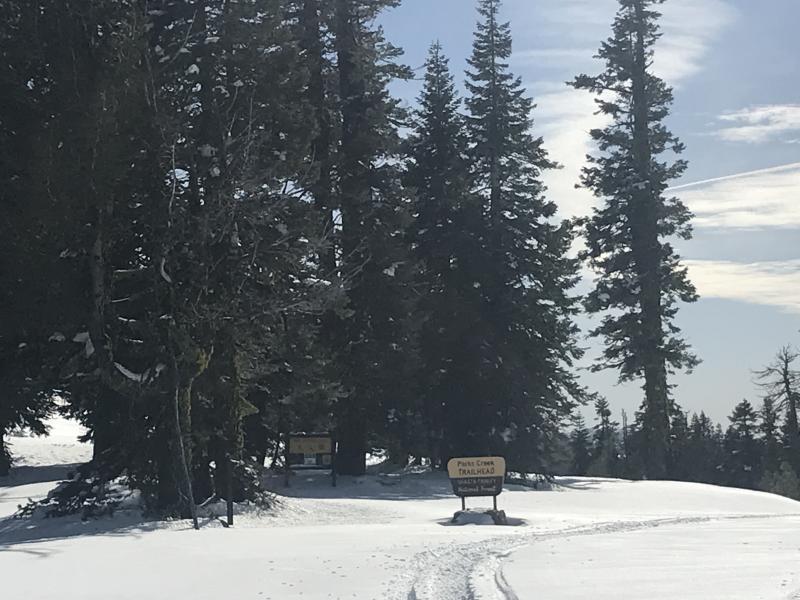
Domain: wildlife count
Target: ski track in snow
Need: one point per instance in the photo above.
(474, 571)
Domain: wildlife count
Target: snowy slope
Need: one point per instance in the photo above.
(389, 538)
(39, 462)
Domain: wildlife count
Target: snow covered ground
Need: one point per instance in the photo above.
(389, 538)
(38, 462)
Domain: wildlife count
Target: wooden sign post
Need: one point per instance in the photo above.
(310, 451)
(477, 476)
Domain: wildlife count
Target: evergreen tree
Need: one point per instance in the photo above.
(640, 277)
(743, 455)
(769, 429)
(784, 482)
(187, 252)
(443, 237)
(580, 444)
(55, 104)
(678, 465)
(626, 448)
(703, 456)
(605, 442)
(240, 285)
(313, 31)
(524, 341)
(375, 342)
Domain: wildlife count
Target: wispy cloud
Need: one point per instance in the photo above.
(761, 124)
(565, 116)
(553, 57)
(570, 14)
(690, 27)
(756, 199)
(568, 145)
(766, 283)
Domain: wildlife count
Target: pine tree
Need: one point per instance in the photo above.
(640, 277)
(23, 328)
(443, 236)
(522, 273)
(703, 455)
(605, 442)
(580, 444)
(784, 482)
(313, 33)
(242, 287)
(678, 466)
(71, 98)
(193, 247)
(375, 342)
(743, 455)
(769, 429)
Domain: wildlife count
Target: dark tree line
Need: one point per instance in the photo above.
(219, 227)
(757, 450)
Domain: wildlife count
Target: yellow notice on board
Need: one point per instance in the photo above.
(310, 445)
(480, 466)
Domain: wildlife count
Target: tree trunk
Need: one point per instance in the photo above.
(5, 456)
(792, 432)
(647, 251)
(354, 189)
(168, 482)
(321, 188)
(106, 425)
(351, 453)
(182, 450)
(193, 362)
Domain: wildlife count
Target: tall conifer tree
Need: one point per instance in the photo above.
(527, 344)
(640, 276)
(374, 343)
(445, 239)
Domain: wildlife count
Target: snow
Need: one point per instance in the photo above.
(137, 377)
(389, 536)
(38, 463)
(714, 559)
(163, 271)
(84, 338)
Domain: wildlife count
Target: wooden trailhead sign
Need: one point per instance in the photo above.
(310, 451)
(477, 476)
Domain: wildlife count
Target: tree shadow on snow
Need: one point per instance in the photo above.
(400, 487)
(585, 483)
(19, 530)
(15, 531)
(512, 522)
(424, 485)
(28, 475)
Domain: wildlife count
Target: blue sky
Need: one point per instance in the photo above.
(735, 69)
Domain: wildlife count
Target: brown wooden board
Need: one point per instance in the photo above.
(310, 451)
(477, 475)
(477, 486)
